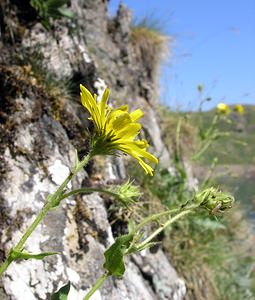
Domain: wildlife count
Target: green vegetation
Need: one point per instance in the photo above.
(208, 252)
(205, 250)
(235, 169)
(239, 148)
(51, 9)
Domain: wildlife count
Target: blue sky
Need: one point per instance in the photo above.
(214, 46)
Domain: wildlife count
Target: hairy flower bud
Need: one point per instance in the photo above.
(214, 200)
(200, 88)
(127, 193)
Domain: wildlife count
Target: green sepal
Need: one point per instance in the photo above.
(114, 256)
(62, 293)
(15, 255)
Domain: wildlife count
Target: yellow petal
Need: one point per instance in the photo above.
(102, 104)
(129, 131)
(121, 121)
(143, 144)
(86, 96)
(136, 114)
(90, 103)
(136, 150)
(148, 169)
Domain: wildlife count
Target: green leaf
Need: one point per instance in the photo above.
(25, 255)
(62, 293)
(54, 4)
(114, 256)
(65, 12)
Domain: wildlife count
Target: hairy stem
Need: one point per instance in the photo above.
(161, 228)
(149, 219)
(52, 201)
(97, 285)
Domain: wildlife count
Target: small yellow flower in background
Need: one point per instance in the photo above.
(239, 109)
(116, 129)
(223, 108)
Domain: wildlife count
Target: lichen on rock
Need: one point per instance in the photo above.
(40, 132)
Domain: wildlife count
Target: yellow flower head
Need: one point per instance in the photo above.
(239, 109)
(222, 108)
(116, 129)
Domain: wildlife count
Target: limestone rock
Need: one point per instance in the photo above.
(39, 134)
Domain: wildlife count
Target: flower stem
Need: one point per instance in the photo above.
(154, 217)
(177, 147)
(97, 285)
(203, 145)
(52, 201)
(169, 222)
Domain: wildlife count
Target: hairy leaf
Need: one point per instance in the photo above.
(25, 255)
(114, 256)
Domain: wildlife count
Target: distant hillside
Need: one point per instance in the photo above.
(235, 170)
(236, 157)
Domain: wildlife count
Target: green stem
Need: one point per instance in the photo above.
(52, 201)
(5, 265)
(187, 210)
(209, 137)
(206, 181)
(213, 126)
(153, 218)
(169, 222)
(97, 285)
(202, 150)
(177, 147)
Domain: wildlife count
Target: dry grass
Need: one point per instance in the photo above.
(150, 47)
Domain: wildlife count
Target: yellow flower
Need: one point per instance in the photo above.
(222, 108)
(239, 109)
(116, 129)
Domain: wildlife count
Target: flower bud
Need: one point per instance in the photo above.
(214, 200)
(200, 88)
(127, 193)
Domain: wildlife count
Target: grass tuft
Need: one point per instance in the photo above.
(150, 44)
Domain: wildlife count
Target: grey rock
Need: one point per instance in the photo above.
(37, 151)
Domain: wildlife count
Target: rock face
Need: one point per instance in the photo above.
(39, 133)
